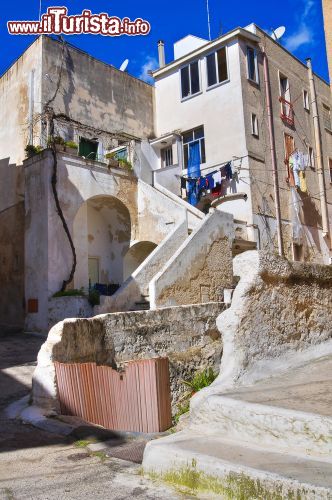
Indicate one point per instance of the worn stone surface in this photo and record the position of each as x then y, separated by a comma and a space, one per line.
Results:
200, 269
64, 307
281, 312
187, 335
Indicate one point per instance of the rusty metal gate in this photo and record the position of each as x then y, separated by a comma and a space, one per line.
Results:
137, 399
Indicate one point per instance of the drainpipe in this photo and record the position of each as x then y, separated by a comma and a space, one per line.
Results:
319, 153
161, 53
273, 151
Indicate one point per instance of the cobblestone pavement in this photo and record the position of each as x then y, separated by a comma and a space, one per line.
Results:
35, 464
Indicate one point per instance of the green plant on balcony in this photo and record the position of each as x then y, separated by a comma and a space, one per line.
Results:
31, 150
123, 163
71, 145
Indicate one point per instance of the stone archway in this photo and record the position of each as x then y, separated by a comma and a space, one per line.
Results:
136, 254
102, 235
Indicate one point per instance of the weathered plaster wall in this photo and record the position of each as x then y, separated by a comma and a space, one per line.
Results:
11, 246
47, 247
157, 214
138, 283
20, 94
95, 93
187, 335
279, 308
316, 249
201, 267
63, 307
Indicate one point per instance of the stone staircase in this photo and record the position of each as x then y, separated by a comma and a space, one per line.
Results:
143, 304
271, 440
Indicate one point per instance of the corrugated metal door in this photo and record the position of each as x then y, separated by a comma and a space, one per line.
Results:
137, 399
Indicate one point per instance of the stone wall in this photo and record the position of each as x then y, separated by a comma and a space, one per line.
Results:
67, 307
281, 312
201, 268
187, 335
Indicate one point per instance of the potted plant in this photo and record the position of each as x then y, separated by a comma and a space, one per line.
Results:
71, 147
112, 161
58, 142
125, 164
31, 150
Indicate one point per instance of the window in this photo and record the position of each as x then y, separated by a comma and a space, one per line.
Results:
298, 252
190, 84
254, 125
167, 156
306, 100
88, 148
287, 113
311, 157
252, 64
121, 154
327, 117
191, 137
216, 67
330, 168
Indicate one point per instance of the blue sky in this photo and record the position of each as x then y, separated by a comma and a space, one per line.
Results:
172, 20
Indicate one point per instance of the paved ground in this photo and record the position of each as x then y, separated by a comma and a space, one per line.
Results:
307, 388
35, 464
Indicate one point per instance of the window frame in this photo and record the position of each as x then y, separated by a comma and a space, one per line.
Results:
218, 83
249, 47
163, 156
330, 168
311, 157
327, 127
306, 103
254, 125
201, 141
189, 96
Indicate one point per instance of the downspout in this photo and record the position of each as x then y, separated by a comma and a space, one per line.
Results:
273, 151
319, 154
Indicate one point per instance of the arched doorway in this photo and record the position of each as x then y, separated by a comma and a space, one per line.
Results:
135, 256
102, 234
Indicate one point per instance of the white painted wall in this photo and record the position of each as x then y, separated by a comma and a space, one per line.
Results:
220, 110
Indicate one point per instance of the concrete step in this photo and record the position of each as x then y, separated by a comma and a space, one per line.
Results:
230, 469
283, 429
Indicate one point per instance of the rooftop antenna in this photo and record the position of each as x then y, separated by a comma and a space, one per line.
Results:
208, 18
278, 33
124, 65
40, 8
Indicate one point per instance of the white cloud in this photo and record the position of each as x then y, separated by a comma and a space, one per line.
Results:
150, 64
303, 34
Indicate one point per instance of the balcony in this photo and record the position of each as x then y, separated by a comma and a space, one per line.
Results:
287, 111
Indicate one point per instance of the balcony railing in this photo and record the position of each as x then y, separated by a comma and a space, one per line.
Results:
287, 111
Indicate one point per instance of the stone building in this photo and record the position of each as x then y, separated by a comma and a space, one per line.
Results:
225, 78
327, 12
101, 202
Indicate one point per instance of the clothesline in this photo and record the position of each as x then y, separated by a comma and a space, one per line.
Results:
220, 166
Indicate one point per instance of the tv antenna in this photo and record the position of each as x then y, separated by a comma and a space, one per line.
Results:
278, 33
124, 65
208, 18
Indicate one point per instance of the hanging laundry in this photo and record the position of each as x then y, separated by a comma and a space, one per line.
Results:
183, 187
217, 177
228, 171
303, 182
290, 172
193, 191
210, 181
216, 191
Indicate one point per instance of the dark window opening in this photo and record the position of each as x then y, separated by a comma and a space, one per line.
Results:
88, 148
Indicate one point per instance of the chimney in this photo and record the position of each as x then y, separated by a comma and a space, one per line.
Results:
161, 53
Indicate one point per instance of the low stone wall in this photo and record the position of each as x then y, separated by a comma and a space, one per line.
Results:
280, 317
67, 307
187, 335
200, 269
